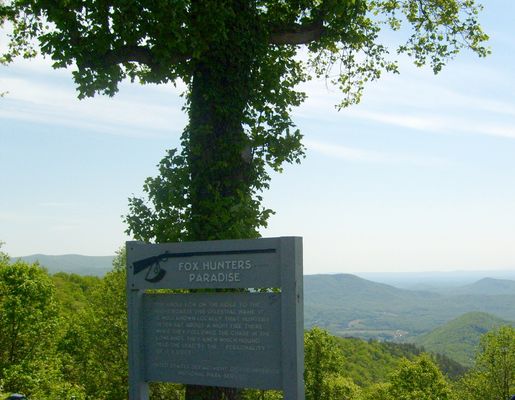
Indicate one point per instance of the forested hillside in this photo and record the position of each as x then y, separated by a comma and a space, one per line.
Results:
71, 342
373, 361
459, 338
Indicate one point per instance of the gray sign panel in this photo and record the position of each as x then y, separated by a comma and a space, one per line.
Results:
213, 264
220, 339
234, 339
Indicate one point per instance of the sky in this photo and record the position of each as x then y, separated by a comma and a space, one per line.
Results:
420, 176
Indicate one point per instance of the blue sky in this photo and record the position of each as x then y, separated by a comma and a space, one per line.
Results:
419, 176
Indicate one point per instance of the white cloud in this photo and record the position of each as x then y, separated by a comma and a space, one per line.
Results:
359, 155
473, 124
43, 102
425, 105
418, 122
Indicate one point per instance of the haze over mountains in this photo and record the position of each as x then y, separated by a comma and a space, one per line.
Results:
436, 280
72, 263
488, 286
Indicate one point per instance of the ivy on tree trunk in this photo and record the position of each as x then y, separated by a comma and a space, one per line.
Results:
218, 149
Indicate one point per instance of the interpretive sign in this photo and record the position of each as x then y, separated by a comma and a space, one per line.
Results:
247, 339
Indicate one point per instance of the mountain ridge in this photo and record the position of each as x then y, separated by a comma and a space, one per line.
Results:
491, 286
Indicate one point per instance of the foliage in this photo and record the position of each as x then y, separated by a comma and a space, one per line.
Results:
372, 361
29, 328
166, 391
73, 291
452, 369
162, 42
323, 362
95, 344
369, 362
418, 379
28, 312
338, 387
493, 376
497, 359
378, 391
254, 394
459, 338
41, 379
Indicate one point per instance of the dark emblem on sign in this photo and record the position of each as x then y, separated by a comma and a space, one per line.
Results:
155, 273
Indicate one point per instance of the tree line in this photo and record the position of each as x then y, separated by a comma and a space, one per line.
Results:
65, 336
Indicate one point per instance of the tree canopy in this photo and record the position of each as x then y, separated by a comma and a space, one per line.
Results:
419, 379
324, 362
161, 41
493, 376
28, 312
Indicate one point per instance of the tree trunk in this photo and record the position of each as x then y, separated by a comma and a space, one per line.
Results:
219, 159
219, 155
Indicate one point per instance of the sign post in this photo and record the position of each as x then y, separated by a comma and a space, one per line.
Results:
244, 339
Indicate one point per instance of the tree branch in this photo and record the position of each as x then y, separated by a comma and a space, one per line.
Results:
299, 34
132, 53
124, 54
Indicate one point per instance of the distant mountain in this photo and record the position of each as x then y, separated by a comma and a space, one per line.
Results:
489, 286
351, 306
459, 338
72, 263
435, 280
340, 289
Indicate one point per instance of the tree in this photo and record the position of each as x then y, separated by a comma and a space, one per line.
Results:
94, 347
28, 313
73, 291
493, 376
29, 323
418, 379
377, 391
338, 387
497, 360
323, 363
239, 59
96, 341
